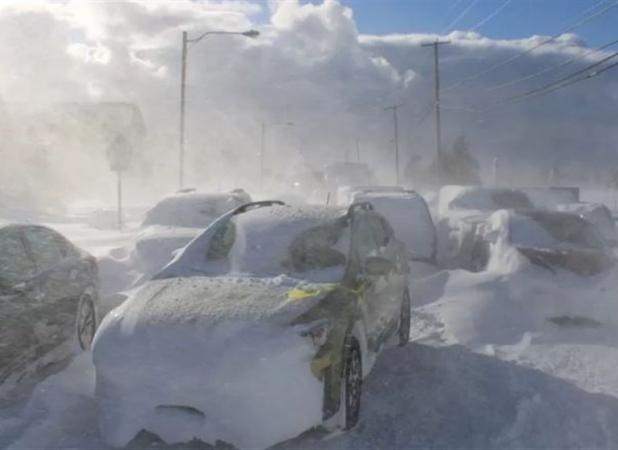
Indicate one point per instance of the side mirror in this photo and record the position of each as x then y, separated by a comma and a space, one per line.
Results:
378, 266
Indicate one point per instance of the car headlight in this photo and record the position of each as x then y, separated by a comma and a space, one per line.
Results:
318, 331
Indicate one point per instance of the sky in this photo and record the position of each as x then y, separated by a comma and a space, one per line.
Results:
518, 19
328, 68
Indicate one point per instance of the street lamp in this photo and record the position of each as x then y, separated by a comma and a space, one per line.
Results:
183, 75
263, 144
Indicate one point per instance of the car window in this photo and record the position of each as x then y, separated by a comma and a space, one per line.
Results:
15, 264
367, 237
551, 230
316, 248
222, 241
45, 248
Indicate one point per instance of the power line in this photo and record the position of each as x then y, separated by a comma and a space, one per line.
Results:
491, 16
568, 80
460, 16
509, 60
552, 68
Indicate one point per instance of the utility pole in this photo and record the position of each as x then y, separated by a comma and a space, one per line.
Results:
396, 137
436, 71
183, 90
358, 150
262, 145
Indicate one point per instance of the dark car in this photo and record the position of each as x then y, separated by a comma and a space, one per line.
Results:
48, 297
550, 239
266, 324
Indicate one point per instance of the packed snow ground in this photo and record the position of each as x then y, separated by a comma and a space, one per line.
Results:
486, 369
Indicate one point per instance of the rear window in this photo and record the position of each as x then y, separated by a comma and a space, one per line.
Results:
554, 230
484, 200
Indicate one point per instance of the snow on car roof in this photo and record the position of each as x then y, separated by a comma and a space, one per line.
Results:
191, 209
260, 238
480, 198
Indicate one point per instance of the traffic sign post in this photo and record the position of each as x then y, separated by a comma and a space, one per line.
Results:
119, 154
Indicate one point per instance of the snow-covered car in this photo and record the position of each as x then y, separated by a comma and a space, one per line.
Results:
345, 195
347, 174
550, 239
175, 220
48, 298
261, 328
409, 215
461, 209
597, 214
548, 197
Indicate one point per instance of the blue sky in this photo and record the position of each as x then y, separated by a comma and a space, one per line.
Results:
519, 18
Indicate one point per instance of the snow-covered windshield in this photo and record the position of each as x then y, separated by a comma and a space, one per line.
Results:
257, 245
491, 200
551, 230
191, 211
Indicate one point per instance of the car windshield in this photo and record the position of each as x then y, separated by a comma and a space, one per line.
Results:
547, 230
314, 250
190, 211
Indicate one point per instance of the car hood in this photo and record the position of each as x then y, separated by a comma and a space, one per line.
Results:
219, 347
204, 301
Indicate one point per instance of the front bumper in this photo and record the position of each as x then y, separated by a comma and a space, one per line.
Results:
252, 389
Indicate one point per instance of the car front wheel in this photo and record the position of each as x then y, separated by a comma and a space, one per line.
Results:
404, 319
86, 321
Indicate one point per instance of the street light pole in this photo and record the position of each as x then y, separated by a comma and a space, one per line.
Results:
183, 90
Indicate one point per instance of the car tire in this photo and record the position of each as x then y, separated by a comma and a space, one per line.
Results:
352, 384
405, 318
85, 321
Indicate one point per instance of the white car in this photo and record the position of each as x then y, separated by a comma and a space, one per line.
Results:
174, 221
260, 329
409, 215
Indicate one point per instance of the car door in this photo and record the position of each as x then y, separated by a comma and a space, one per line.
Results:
18, 344
57, 280
390, 249
373, 288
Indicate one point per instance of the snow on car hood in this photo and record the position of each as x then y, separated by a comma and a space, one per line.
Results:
219, 348
208, 300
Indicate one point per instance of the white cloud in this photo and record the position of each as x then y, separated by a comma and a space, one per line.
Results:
309, 66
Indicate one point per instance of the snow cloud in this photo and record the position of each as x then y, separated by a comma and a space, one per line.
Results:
310, 66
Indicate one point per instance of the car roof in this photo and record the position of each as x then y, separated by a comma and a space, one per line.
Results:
294, 213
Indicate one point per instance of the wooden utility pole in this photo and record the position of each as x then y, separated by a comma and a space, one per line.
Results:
396, 138
436, 71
